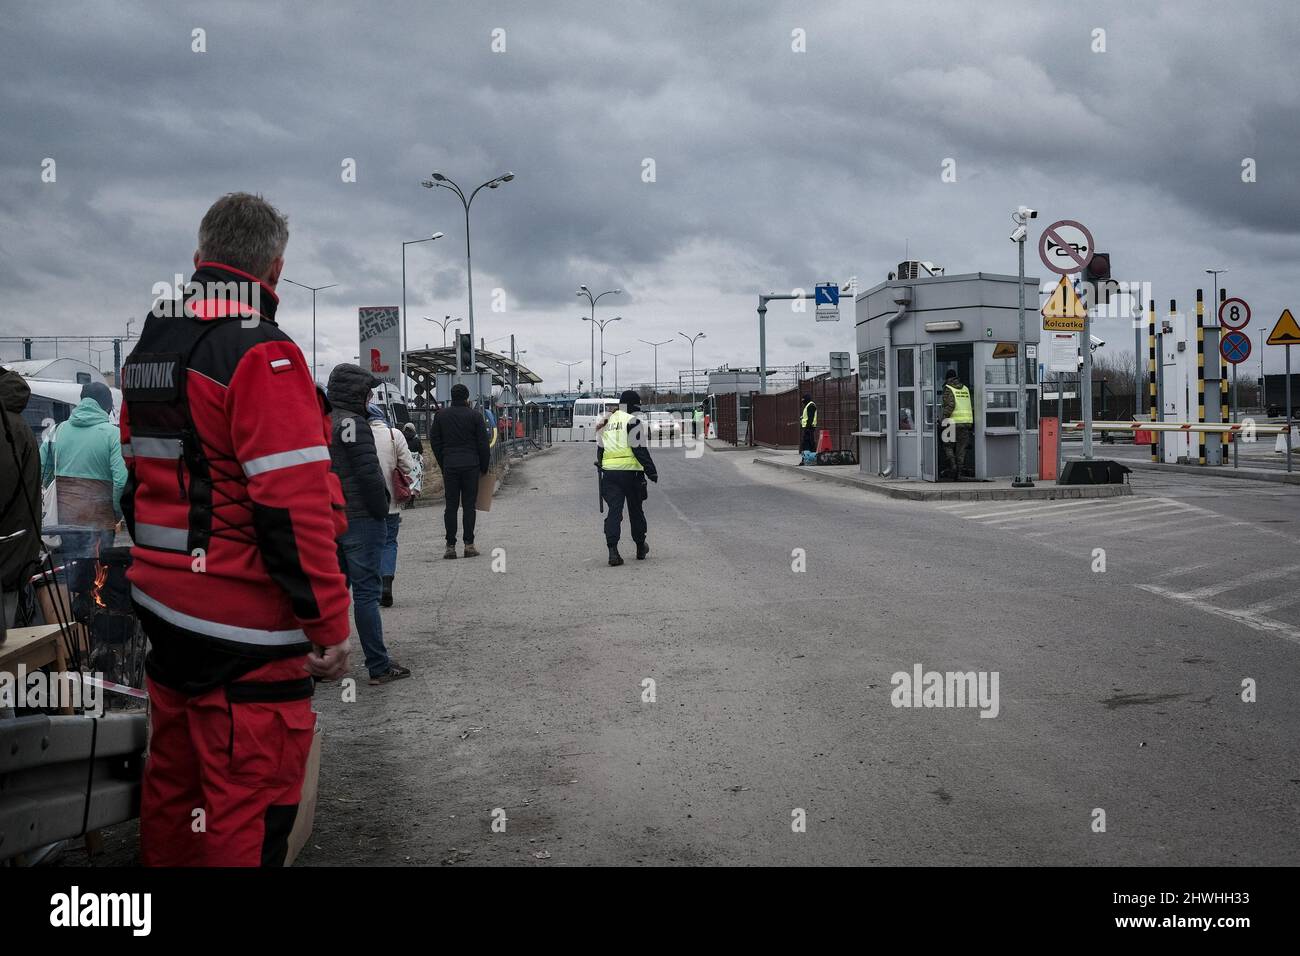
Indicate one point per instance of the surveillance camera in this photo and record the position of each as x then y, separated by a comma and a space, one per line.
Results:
1096, 342
1024, 212
1018, 235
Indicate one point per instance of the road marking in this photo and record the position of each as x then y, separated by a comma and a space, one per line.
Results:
1179, 571
678, 511
1115, 516
1244, 616
1274, 604
1023, 510
1241, 582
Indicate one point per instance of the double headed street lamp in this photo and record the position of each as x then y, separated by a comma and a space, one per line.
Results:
655, 346
692, 339
569, 367
602, 323
593, 299
402, 364
437, 179
1021, 217
615, 355
314, 289
442, 324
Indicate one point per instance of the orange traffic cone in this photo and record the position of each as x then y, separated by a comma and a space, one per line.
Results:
824, 441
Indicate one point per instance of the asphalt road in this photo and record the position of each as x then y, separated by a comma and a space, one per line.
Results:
1118, 690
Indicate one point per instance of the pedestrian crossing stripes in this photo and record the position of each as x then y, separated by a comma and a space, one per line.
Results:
1139, 526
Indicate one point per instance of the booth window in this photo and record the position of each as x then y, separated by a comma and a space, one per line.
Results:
906, 403
1000, 408
871, 368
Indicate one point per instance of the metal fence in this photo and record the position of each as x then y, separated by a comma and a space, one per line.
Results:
774, 417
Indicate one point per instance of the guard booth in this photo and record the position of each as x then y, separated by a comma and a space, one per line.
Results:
910, 332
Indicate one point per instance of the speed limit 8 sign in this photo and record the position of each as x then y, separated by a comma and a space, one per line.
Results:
1234, 314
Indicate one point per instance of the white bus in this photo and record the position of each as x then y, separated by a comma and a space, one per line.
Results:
587, 412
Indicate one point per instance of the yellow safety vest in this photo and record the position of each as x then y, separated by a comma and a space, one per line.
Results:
961, 411
617, 454
803, 418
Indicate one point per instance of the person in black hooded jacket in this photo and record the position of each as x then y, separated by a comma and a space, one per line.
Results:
20, 478
459, 441
365, 495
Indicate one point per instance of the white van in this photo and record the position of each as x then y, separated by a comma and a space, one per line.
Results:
54, 401
587, 412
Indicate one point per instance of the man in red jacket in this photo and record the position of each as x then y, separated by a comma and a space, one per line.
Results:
234, 513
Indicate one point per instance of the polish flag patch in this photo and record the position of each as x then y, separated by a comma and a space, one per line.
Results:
281, 365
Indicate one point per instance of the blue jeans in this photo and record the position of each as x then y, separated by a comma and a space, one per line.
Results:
360, 551
388, 560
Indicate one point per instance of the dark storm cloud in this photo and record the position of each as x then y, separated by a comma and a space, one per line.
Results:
774, 168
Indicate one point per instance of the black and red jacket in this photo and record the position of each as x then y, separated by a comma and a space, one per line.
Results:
230, 499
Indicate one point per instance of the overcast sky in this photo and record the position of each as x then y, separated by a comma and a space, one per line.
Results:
774, 168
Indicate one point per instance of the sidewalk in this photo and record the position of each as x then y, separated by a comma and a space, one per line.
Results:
913, 490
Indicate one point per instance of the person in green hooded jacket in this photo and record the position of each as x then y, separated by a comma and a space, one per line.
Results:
85, 455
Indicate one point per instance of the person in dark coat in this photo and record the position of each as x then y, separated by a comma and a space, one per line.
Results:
459, 442
365, 495
20, 493
412, 439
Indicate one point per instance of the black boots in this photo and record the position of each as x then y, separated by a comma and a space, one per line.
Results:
642, 549
615, 559
386, 599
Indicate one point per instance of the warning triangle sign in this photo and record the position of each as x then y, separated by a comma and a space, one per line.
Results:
1064, 311
1286, 332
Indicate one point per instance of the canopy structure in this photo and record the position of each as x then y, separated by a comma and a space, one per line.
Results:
422, 365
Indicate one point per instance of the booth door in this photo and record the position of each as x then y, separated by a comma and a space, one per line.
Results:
930, 402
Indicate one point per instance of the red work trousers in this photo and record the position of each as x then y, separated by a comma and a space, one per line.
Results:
237, 754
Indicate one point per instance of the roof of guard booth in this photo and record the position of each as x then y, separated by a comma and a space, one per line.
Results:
943, 293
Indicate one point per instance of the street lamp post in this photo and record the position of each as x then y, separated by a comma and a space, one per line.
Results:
437, 179
402, 364
593, 299
655, 345
602, 323
442, 324
692, 339
1021, 217
314, 290
616, 355
569, 369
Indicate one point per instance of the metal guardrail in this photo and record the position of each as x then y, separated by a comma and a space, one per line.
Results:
61, 777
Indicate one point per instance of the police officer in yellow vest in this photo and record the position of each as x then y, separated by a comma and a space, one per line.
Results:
625, 464
808, 426
958, 420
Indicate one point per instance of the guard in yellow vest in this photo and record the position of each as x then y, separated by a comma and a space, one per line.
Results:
955, 429
808, 427
625, 464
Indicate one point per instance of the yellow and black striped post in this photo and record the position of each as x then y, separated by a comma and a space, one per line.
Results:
1223, 385
1200, 372
1151, 374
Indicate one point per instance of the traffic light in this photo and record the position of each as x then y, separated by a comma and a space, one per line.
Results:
1098, 268
1097, 282
463, 349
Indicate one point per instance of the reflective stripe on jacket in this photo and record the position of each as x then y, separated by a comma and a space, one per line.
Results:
617, 454
961, 409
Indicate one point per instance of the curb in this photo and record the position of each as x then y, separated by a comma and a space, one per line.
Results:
1217, 471
956, 494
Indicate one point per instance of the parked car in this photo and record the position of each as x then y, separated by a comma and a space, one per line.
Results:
663, 425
